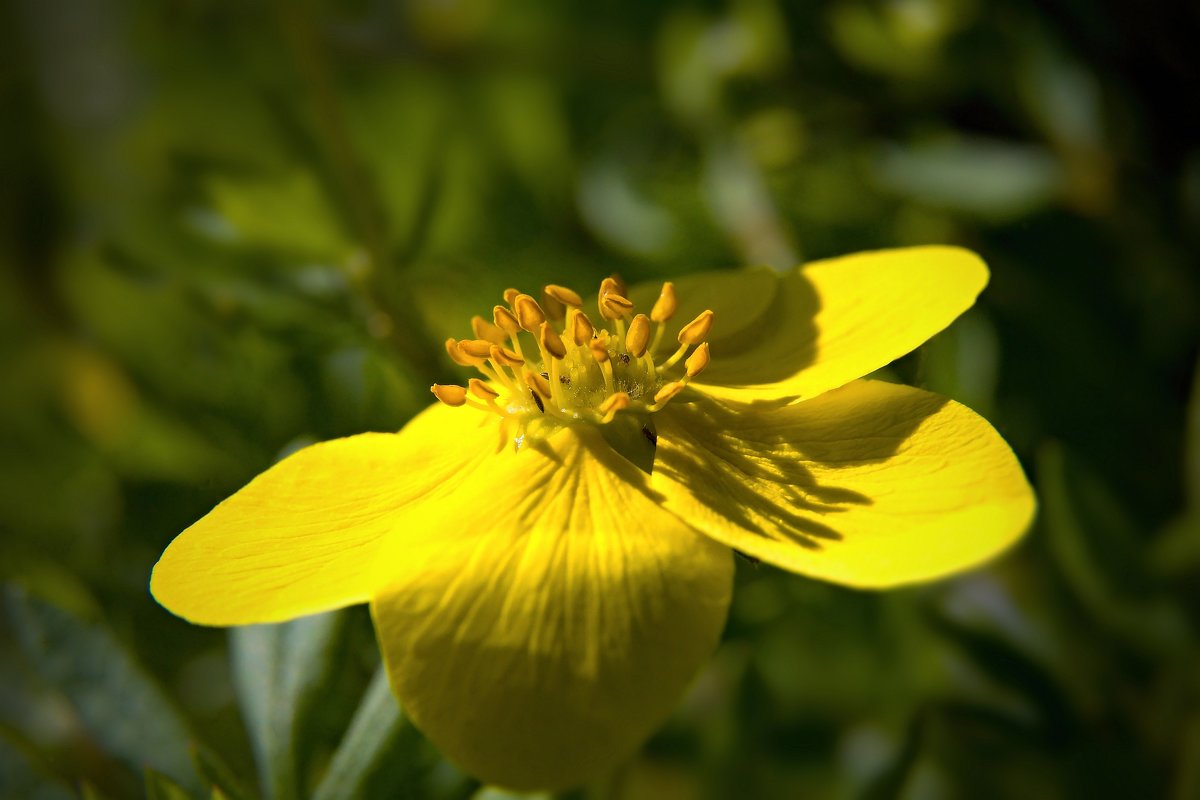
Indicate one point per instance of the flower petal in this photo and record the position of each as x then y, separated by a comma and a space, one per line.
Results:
543, 620
300, 538
869, 485
827, 322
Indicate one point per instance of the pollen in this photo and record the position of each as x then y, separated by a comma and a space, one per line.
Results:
549, 364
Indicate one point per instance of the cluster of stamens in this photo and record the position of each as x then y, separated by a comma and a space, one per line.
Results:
547, 361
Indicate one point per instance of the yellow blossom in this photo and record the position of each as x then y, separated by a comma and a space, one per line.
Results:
548, 551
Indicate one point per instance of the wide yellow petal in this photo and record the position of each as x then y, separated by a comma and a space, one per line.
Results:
826, 323
540, 622
869, 485
301, 537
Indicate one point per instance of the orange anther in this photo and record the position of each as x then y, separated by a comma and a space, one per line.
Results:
667, 392
505, 357
486, 330
581, 327
449, 394
563, 295
505, 320
665, 305
528, 312
697, 361
482, 390
551, 341
638, 336
698, 329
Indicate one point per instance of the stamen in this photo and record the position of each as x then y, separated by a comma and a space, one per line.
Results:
698, 329
551, 342
580, 372
450, 394
554, 308
486, 330
616, 306
638, 336
599, 348
502, 355
505, 321
581, 328
529, 314
458, 356
609, 285
617, 401
663, 395
563, 295
476, 348
618, 284
482, 390
697, 361
538, 384
665, 305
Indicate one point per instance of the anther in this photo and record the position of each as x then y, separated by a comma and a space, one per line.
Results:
697, 361
538, 384
615, 402
510, 295
599, 348
449, 394
563, 295
665, 305
616, 306
697, 330
638, 336
668, 391
618, 284
458, 356
529, 314
486, 330
551, 341
505, 320
581, 327
554, 308
478, 348
504, 356
482, 390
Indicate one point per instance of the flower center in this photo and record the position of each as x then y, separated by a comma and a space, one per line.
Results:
547, 363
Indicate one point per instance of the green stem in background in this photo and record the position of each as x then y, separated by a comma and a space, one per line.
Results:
380, 284
366, 744
743, 206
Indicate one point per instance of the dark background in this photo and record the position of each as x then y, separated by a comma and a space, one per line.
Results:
229, 229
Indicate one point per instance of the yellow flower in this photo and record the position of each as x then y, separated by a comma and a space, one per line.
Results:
548, 551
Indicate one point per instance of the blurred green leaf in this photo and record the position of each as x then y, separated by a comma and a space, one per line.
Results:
963, 362
286, 211
1083, 524
21, 776
216, 774
992, 179
160, 787
279, 672
891, 781
118, 704
1006, 664
493, 793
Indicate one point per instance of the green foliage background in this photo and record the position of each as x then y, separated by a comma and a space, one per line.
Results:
230, 229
